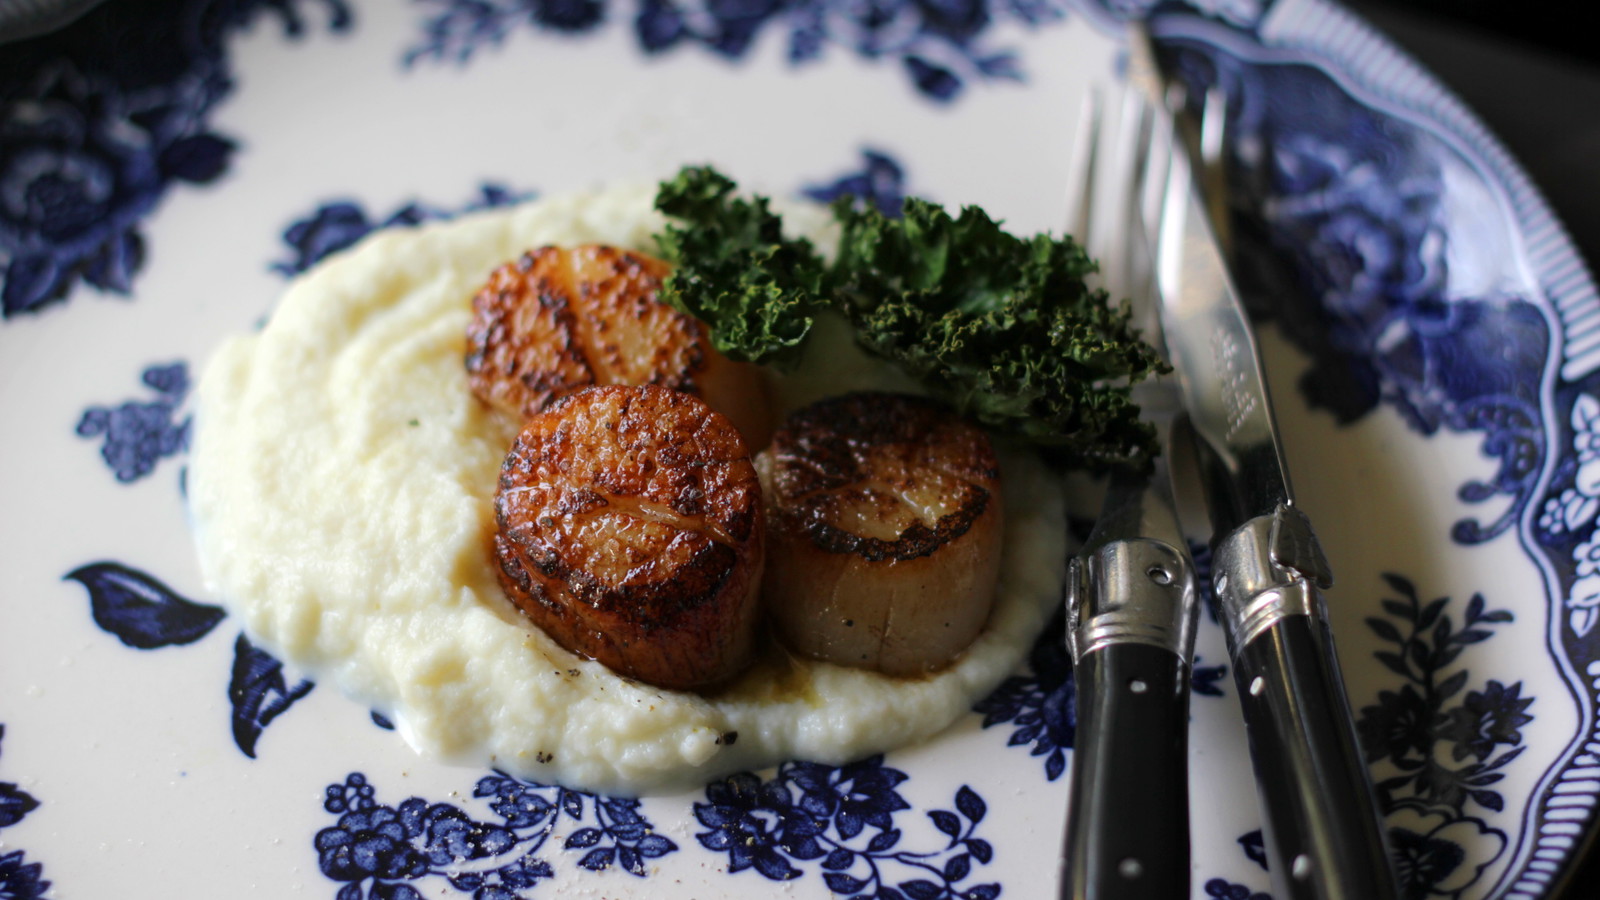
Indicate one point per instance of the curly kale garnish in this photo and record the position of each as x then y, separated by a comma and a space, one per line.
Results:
734, 270
1003, 328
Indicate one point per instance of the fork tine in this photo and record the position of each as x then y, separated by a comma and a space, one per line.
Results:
1131, 153
1081, 166
1132, 751
1213, 122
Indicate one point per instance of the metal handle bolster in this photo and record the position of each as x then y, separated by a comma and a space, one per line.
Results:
1133, 591
1269, 568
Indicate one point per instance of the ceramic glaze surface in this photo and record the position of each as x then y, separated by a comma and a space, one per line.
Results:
167, 165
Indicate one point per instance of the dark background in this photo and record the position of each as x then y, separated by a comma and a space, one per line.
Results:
1531, 71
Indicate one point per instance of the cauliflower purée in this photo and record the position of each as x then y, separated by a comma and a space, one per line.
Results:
342, 486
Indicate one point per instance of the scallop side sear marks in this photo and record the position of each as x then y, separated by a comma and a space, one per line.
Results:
631, 529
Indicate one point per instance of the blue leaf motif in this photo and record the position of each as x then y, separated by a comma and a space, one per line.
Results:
812, 812
583, 837
654, 845
198, 159
142, 612
14, 804
338, 224
1254, 845
980, 850
258, 693
881, 182
885, 840
19, 879
385, 850
840, 883
1041, 706
946, 822
970, 804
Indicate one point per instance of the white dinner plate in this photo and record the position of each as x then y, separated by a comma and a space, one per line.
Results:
164, 168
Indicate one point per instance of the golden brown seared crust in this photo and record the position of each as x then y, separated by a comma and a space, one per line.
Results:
884, 532
871, 451
630, 528
559, 319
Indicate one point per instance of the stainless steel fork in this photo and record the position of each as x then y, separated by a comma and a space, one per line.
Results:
1131, 601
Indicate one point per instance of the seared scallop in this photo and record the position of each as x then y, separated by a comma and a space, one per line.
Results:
630, 529
884, 531
559, 319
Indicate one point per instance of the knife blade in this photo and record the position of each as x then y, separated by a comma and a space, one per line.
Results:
1324, 836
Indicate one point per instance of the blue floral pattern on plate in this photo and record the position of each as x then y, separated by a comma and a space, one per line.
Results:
93, 135
19, 879
145, 614
92, 143
844, 816
939, 46
1408, 730
338, 224
139, 435
378, 851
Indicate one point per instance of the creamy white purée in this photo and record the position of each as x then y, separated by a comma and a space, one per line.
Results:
342, 485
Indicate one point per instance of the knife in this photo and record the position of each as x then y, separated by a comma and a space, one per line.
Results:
1130, 627
1324, 836
1131, 610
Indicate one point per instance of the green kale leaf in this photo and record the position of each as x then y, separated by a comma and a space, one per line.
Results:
734, 270
1005, 329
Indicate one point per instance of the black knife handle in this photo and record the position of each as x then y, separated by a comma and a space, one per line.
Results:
1324, 837
1130, 777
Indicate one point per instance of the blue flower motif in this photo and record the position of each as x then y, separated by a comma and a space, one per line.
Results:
843, 816
99, 121
1485, 718
938, 44
339, 224
1340, 219
72, 186
383, 850
1401, 724
1408, 730
370, 843
19, 879
881, 181
1422, 859
747, 820
1429, 851
138, 435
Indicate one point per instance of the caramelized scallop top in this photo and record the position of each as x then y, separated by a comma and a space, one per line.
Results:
630, 529
558, 319
881, 476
